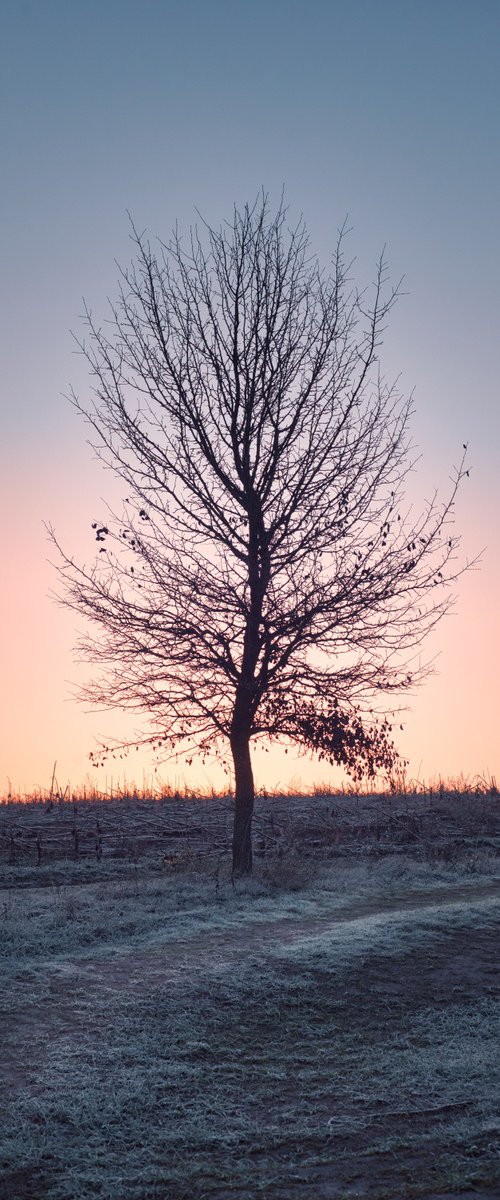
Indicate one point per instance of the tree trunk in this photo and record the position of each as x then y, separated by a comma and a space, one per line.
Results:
243, 805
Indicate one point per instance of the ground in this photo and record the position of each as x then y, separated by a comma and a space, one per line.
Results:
328, 1029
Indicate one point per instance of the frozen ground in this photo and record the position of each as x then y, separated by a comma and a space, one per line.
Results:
328, 1030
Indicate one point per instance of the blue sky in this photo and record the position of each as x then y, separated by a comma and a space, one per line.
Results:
383, 111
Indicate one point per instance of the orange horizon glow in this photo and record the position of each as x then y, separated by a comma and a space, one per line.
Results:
450, 730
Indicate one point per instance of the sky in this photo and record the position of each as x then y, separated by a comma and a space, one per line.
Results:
384, 113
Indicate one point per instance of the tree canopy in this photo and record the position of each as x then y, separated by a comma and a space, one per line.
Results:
267, 577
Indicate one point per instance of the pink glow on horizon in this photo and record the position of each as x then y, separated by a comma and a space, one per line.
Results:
451, 728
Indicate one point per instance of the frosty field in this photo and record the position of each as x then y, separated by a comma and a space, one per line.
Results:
328, 1029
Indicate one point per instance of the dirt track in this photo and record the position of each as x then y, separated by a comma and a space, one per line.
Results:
345, 1051
209, 953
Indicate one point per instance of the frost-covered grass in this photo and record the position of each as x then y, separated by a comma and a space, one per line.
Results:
140, 909
324, 1030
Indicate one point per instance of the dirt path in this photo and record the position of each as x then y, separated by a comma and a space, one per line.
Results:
210, 952
317, 1123
194, 956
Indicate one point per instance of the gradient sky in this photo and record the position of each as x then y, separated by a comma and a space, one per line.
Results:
386, 111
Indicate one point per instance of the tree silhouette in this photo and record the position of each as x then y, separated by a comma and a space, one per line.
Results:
266, 578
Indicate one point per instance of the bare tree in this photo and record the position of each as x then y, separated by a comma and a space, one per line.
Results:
267, 578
